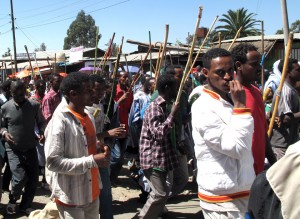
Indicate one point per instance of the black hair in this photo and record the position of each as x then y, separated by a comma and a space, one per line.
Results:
239, 52
74, 82
163, 81
17, 85
5, 86
170, 70
52, 76
97, 78
39, 82
214, 53
290, 64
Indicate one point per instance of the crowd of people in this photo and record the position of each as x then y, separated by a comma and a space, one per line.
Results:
76, 130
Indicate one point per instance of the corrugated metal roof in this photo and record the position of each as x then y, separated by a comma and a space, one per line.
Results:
258, 38
141, 56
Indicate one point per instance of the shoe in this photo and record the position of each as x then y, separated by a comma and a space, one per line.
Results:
1, 216
26, 211
11, 208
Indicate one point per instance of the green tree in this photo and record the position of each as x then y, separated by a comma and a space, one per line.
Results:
7, 53
295, 27
82, 32
233, 20
43, 47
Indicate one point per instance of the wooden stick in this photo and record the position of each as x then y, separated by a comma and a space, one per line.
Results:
150, 53
5, 74
32, 71
106, 54
164, 47
55, 63
236, 36
271, 48
284, 72
202, 45
49, 65
96, 48
220, 39
262, 81
138, 74
114, 77
188, 64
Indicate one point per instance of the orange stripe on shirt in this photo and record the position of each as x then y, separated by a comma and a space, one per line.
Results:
90, 134
241, 110
223, 198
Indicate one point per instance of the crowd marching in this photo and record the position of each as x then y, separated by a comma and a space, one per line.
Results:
75, 132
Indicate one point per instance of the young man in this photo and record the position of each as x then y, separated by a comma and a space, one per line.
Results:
222, 133
52, 98
71, 154
18, 119
97, 110
40, 87
247, 65
286, 131
158, 157
124, 99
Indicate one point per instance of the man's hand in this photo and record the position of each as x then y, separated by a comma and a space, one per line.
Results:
41, 139
175, 108
102, 160
123, 97
116, 132
9, 138
238, 94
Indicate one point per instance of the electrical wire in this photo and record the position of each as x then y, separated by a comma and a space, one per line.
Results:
5, 24
2, 33
61, 7
33, 43
90, 12
63, 15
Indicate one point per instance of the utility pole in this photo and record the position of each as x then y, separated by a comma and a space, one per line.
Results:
14, 35
285, 21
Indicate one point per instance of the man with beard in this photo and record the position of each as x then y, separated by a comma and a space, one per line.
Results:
222, 133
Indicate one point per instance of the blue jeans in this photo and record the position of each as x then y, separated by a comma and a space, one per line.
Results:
25, 173
117, 158
105, 195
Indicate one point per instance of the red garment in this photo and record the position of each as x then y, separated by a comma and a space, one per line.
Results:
254, 101
50, 101
124, 107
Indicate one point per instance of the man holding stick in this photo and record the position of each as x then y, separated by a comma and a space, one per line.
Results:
285, 131
222, 132
158, 156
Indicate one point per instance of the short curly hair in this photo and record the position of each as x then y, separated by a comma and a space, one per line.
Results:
73, 81
214, 53
163, 81
239, 52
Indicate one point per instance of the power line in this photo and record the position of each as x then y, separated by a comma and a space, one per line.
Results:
53, 22
61, 7
33, 43
5, 24
68, 13
2, 33
34, 9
